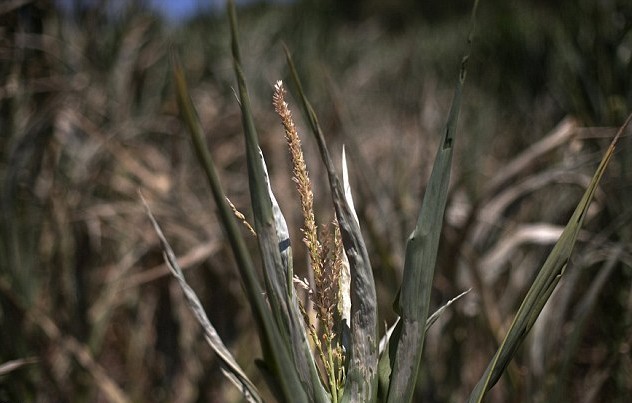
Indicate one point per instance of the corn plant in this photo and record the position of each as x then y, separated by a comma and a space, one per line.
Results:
339, 356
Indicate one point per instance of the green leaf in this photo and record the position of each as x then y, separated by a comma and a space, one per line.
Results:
361, 383
421, 255
393, 333
260, 200
299, 378
274, 346
544, 284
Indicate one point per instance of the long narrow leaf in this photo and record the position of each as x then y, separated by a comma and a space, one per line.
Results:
276, 353
260, 200
361, 384
231, 369
298, 377
421, 256
545, 282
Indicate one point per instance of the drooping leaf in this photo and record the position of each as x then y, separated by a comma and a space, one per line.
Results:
545, 282
231, 369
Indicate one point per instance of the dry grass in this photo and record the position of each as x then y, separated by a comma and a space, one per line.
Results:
88, 117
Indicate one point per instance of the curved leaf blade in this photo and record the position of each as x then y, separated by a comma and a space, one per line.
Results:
231, 369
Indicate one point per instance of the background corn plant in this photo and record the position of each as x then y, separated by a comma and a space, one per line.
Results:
90, 117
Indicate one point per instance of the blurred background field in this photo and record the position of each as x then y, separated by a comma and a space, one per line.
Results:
88, 117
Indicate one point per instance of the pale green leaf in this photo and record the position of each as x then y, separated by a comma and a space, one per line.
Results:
545, 282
